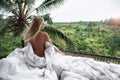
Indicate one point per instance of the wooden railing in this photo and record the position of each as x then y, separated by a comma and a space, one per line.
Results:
94, 56
102, 58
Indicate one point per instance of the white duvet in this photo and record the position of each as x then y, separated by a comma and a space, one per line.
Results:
23, 64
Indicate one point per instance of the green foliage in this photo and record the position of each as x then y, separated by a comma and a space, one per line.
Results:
92, 24
60, 39
101, 40
113, 44
8, 44
92, 37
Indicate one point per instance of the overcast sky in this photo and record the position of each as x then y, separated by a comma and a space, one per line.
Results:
86, 10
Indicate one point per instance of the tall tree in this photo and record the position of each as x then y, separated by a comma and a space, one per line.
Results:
22, 11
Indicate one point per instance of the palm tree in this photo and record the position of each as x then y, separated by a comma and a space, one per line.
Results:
22, 11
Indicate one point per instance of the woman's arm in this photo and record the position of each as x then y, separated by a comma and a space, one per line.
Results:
56, 49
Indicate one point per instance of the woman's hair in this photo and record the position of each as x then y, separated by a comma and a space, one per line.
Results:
36, 26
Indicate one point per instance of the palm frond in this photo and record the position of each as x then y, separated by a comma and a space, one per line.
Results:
58, 34
47, 18
7, 4
29, 4
49, 4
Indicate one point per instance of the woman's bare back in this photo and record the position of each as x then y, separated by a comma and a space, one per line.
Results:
38, 44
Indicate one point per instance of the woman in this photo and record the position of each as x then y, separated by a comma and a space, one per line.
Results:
37, 38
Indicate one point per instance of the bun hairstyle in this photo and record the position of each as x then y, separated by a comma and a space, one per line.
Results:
36, 26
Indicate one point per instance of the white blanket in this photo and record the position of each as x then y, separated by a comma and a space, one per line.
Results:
24, 64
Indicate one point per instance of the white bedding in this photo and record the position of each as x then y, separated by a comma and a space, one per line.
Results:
23, 64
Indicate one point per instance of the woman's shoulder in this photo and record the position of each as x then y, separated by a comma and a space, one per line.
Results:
44, 33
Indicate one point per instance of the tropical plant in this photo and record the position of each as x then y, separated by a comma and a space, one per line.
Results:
57, 41
22, 12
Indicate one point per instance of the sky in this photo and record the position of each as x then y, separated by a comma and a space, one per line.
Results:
86, 10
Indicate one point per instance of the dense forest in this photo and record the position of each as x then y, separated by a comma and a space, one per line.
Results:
93, 37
